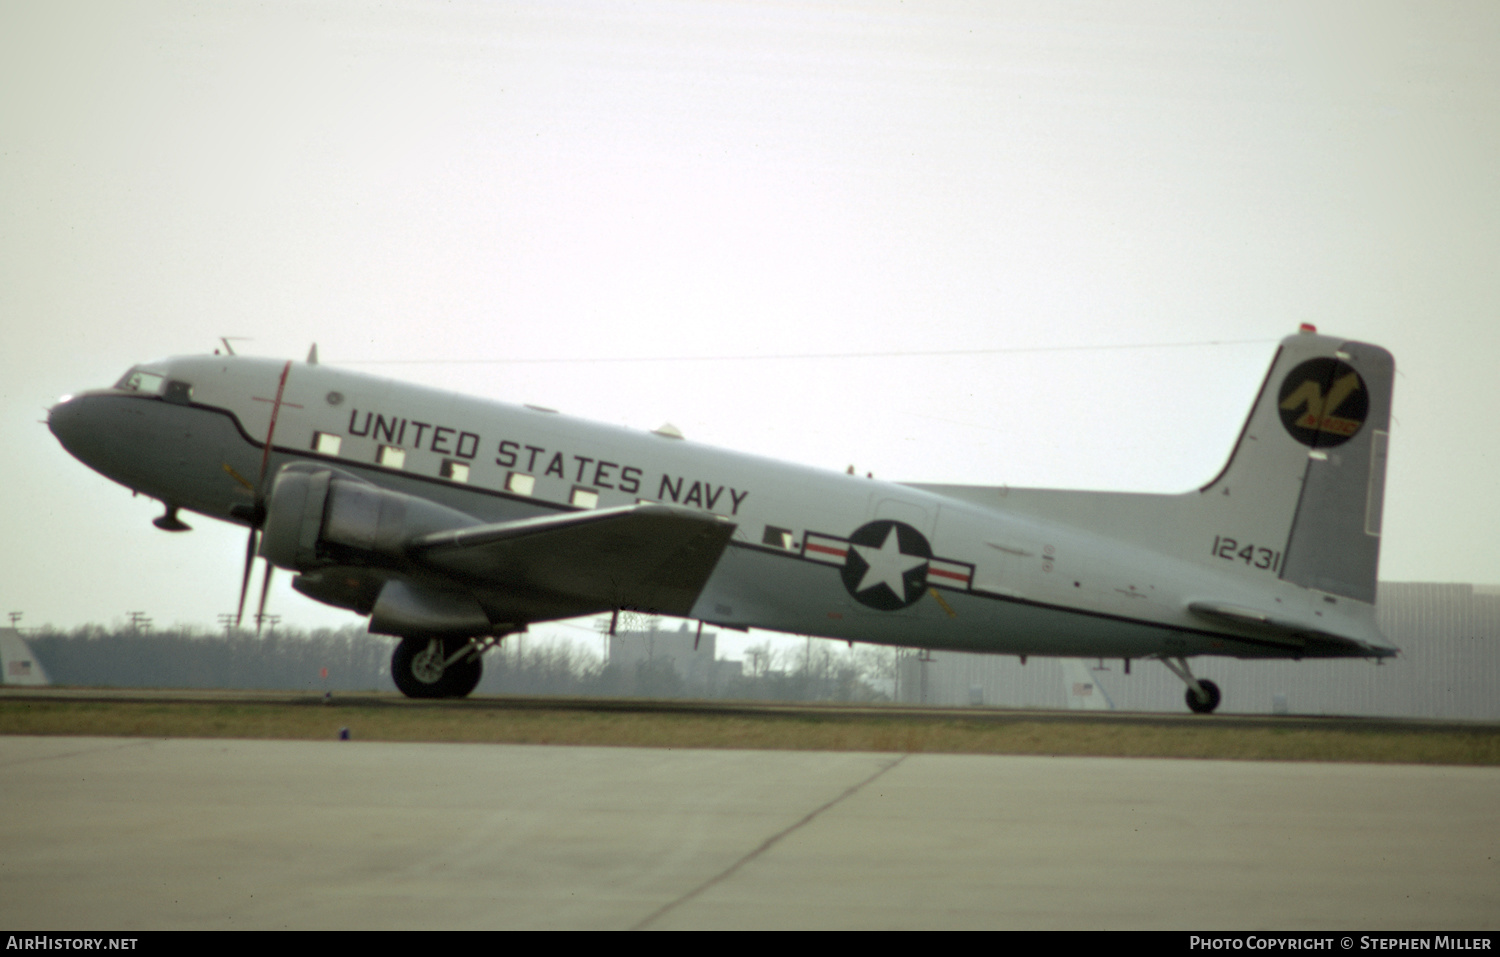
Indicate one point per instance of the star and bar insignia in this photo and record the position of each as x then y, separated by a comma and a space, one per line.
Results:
886, 564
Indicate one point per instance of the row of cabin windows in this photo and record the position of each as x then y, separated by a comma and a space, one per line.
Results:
394, 457
389, 456
517, 483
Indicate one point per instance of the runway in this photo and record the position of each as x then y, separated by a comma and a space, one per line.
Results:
123, 834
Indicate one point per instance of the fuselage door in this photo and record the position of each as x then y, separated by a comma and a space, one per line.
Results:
909, 513
1005, 561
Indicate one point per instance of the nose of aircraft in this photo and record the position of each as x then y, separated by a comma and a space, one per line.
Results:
65, 420
153, 447
82, 424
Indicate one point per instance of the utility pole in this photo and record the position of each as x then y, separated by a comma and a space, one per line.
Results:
923, 657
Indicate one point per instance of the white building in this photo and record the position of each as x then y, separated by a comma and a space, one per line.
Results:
1449, 667
685, 652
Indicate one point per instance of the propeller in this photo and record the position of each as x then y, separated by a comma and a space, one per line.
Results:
257, 514
265, 588
252, 543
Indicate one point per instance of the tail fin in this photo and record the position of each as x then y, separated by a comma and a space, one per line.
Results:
1300, 497
18, 664
1309, 467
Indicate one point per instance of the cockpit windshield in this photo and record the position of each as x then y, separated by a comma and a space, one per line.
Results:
139, 380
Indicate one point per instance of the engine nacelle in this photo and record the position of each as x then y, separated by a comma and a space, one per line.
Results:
318, 516
408, 609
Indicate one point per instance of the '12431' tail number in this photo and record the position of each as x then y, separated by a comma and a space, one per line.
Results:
1253, 555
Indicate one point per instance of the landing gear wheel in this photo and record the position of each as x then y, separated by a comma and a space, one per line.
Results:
417, 667
465, 676
414, 669
1204, 706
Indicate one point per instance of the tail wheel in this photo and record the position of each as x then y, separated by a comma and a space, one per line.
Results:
1211, 698
1202, 694
420, 668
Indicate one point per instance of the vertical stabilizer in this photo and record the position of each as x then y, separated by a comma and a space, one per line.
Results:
1309, 468
18, 666
1082, 687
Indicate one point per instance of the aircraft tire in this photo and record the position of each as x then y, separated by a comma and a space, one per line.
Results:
411, 669
1204, 707
465, 677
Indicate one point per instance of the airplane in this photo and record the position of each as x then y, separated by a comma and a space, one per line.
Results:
18, 664
451, 522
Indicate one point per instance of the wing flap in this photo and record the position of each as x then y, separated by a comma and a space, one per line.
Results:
651, 557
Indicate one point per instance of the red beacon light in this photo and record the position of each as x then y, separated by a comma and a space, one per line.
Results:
1307, 327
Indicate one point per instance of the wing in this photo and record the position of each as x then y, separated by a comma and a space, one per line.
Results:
418, 567
650, 557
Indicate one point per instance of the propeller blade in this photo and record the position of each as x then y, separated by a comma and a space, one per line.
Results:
257, 517
245, 580
265, 588
265, 455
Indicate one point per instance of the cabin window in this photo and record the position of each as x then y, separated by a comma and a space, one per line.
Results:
455, 471
584, 497
326, 443
391, 457
519, 483
780, 537
179, 392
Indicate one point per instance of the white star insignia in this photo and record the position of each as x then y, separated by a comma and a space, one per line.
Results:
888, 565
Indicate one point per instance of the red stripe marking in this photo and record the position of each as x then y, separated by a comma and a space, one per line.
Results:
956, 576
839, 552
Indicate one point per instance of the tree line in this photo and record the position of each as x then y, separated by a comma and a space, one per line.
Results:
351, 659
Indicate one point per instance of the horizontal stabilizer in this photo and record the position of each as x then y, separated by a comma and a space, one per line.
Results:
647, 557
1281, 630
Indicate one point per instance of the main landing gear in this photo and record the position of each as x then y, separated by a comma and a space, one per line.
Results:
438, 667
1202, 695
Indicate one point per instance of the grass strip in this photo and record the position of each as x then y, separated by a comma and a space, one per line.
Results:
770, 731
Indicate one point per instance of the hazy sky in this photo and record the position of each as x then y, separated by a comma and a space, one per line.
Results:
590, 183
